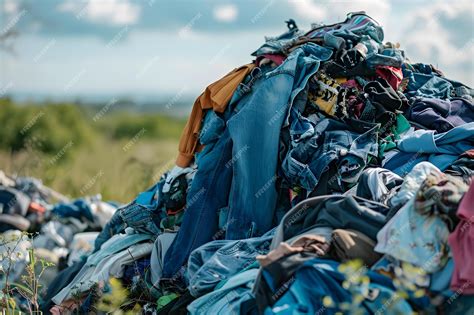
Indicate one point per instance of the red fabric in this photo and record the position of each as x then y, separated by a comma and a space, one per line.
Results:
461, 242
173, 212
393, 75
36, 207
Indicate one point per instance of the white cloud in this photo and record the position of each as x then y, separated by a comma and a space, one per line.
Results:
10, 7
427, 39
331, 11
226, 13
116, 12
310, 10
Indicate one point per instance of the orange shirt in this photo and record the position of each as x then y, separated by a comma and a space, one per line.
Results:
215, 97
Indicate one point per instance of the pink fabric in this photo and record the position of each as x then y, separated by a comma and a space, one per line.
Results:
461, 242
277, 59
393, 75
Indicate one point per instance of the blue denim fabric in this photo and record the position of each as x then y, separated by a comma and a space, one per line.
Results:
461, 90
139, 268
356, 23
229, 298
114, 226
143, 215
76, 209
319, 278
441, 280
455, 141
330, 141
279, 44
255, 132
388, 57
235, 181
208, 193
212, 128
222, 259
425, 83
333, 41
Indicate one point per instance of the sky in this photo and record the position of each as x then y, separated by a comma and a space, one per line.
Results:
174, 49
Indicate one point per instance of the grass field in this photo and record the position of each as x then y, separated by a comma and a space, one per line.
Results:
117, 156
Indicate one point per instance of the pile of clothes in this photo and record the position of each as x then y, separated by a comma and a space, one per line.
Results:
61, 231
329, 175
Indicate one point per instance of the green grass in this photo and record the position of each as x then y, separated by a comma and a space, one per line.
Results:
118, 155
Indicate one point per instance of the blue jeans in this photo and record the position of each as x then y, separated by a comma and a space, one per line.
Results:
229, 298
330, 141
143, 214
76, 209
235, 181
257, 128
219, 260
208, 193
278, 44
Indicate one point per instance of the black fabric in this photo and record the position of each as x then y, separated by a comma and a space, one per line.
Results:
368, 189
175, 199
463, 166
337, 70
383, 96
14, 201
339, 212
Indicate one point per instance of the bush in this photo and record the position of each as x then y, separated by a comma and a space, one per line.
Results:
48, 128
125, 125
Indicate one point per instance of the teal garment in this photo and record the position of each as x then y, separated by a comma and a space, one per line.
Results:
459, 304
388, 143
227, 299
318, 281
254, 265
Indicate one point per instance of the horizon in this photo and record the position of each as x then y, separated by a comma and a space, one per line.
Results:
69, 50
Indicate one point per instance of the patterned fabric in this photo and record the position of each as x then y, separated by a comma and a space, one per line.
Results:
416, 233
439, 195
325, 93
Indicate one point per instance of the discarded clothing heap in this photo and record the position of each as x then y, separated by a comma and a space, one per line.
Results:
329, 175
60, 232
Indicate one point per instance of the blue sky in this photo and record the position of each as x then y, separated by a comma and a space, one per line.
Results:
75, 48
